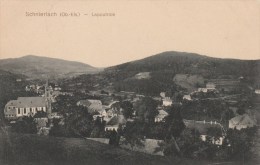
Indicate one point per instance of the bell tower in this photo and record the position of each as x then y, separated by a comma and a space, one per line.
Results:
47, 96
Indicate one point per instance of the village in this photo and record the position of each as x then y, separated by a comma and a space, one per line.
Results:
106, 117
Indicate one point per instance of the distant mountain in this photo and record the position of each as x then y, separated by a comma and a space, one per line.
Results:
191, 63
40, 67
165, 66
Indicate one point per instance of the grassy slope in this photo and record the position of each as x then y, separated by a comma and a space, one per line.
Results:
32, 149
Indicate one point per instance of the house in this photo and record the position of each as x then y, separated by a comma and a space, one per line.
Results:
257, 91
162, 114
115, 122
101, 114
112, 113
186, 97
211, 86
241, 121
205, 90
167, 101
163, 94
202, 128
92, 105
25, 106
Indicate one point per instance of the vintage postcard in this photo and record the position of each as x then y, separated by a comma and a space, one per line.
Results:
129, 82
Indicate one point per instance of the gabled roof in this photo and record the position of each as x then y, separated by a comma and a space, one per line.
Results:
242, 120
84, 103
162, 114
201, 127
12, 103
116, 120
28, 102
92, 105
113, 102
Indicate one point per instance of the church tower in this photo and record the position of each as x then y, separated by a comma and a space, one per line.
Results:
47, 96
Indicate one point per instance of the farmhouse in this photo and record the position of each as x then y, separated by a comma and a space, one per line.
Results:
115, 122
92, 105
241, 121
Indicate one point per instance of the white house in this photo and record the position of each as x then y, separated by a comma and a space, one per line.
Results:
186, 97
167, 101
257, 91
205, 90
162, 114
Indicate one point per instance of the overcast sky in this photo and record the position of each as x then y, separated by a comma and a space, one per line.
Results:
226, 29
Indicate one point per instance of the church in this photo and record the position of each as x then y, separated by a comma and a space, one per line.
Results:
28, 106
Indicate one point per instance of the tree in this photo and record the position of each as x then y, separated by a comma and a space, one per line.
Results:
241, 143
174, 121
241, 111
79, 123
127, 107
25, 125
189, 142
134, 133
146, 109
99, 128
57, 129
113, 138
175, 126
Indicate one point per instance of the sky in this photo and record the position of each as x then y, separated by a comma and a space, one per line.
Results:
216, 28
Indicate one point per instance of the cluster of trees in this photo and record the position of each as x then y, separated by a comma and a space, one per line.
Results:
206, 109
25, 125
78, 123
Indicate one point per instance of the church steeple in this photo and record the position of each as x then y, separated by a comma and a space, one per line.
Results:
47, 96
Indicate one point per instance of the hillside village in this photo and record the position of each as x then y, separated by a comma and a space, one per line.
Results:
165, 112
108, 113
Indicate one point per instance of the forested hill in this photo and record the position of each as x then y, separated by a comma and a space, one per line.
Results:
158, 72
190, 63
40, 67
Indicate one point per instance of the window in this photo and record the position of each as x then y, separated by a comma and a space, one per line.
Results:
9, 107
19, 111
24, 111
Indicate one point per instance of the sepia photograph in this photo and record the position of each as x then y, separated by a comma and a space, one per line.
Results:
150, 82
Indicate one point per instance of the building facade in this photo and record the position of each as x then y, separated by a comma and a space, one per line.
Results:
25, 106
